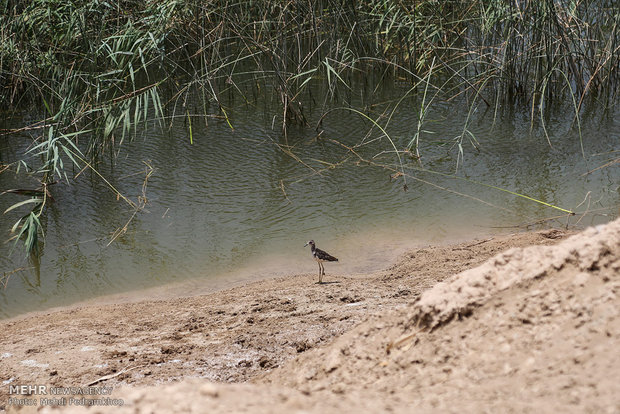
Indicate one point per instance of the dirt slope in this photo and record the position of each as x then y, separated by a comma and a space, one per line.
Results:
534, 330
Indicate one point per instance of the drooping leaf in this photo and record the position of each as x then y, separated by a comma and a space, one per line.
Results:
24, 202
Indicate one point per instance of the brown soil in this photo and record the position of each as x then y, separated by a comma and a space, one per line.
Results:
532, 329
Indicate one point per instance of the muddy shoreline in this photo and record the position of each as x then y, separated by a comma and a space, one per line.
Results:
251, 333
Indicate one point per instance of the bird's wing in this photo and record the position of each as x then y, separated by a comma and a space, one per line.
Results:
325, 256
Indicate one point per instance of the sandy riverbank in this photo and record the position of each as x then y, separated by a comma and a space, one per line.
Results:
543, 342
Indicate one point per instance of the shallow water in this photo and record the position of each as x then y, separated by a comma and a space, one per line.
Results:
236, 205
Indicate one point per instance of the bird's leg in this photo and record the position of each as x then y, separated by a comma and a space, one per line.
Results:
319, 263
322, 272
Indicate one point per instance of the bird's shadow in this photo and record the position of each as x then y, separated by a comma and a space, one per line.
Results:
328, 283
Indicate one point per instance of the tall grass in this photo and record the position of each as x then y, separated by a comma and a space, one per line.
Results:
102, 69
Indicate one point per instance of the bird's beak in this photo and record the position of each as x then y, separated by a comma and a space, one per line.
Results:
306, 244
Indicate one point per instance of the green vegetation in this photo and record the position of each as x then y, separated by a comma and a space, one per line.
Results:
98, 70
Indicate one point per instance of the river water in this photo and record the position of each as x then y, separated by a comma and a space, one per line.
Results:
239, 204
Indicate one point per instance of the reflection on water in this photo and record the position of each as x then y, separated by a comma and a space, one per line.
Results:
236, 205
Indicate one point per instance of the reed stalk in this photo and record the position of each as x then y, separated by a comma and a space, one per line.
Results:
104, 70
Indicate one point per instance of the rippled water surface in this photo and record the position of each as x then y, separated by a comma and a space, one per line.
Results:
240, 204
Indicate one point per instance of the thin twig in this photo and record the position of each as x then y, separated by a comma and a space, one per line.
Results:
284, 191
107, 377
400, 341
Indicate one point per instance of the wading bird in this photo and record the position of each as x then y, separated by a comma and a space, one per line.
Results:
320, 256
